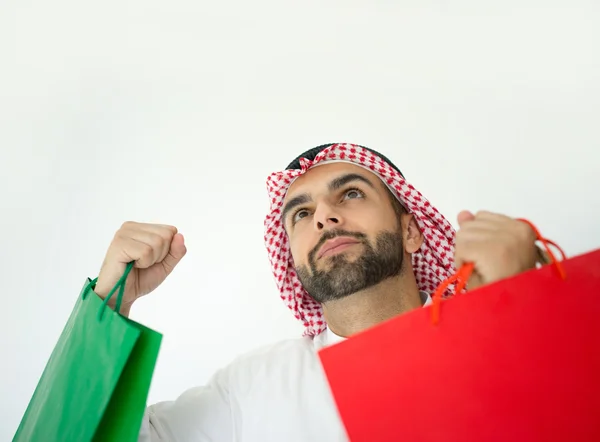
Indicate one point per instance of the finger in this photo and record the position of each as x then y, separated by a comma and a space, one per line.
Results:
157, 244
474, 281
129, 249
466, 251
482, 232
164, 230
470, 243
491, 216
464, 217
176, 252
156, 235
159, 228
458, 261
490, 226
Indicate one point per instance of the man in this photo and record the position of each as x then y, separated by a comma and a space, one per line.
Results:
351, 244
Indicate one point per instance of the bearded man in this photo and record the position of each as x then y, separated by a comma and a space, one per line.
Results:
351, 244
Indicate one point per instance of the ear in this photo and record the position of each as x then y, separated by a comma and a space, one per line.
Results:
412, 235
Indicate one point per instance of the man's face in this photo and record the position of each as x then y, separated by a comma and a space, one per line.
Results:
344, 233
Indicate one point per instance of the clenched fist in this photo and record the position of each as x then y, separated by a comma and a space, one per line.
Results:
498, 246
156, 250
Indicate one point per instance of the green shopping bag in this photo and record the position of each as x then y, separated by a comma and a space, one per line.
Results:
95, 384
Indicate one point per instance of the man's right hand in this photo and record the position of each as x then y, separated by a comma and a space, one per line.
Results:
156, 250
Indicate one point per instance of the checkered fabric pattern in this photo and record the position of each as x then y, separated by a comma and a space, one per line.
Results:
432, 263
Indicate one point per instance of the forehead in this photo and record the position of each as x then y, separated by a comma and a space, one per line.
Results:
318, 178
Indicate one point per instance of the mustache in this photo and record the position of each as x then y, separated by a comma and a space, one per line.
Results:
330, 234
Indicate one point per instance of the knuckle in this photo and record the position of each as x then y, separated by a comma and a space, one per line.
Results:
465, 248
147, 251
157, 241
459, 244
119, 235
128, 225
526, 232
504, 252
167, 233
509, 243
506, 256
484, 214
463, 238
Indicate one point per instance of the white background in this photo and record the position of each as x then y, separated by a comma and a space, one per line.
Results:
175, 112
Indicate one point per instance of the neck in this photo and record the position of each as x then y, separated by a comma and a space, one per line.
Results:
369, 307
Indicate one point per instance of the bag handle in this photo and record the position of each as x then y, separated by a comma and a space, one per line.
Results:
120, 285
464, 273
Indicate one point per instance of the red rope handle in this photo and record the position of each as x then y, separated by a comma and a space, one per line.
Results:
464, 273
460, 277
546, 242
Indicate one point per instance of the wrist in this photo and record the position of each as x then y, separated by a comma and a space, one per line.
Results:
112, 302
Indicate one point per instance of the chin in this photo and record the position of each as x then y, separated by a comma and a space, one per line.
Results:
345, 257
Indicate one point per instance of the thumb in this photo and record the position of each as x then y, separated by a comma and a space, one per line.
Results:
464, 216
177, 251
475, 279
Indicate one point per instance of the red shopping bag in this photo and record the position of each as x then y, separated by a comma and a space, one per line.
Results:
516, 360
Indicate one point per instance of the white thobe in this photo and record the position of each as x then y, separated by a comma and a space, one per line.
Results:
278, 393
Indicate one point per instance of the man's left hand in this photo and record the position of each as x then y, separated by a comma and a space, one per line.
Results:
497, 245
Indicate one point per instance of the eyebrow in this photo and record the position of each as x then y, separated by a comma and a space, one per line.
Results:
348, 178
295, 202
334, 185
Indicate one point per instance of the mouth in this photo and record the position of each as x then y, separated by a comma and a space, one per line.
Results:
335, 246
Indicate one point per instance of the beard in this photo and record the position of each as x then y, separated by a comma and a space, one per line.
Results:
344, 277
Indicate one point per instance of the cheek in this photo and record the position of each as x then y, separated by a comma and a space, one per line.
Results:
299, 248
378, 219
298, 254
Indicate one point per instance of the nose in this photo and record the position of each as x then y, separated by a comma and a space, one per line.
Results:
326, 218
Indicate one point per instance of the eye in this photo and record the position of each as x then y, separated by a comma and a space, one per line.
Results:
299, 214
353, 194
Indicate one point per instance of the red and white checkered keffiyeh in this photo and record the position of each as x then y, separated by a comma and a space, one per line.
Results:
432, 263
